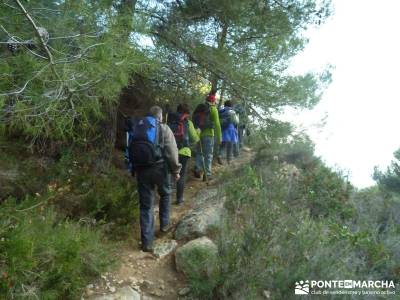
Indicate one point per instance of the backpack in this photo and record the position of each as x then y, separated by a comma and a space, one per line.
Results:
201, 117
241, 113
227, 116
180, 127
144, 147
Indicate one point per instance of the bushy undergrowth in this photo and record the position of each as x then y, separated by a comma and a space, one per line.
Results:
81, 192
45, 256
74, 186
54, 212
300, 221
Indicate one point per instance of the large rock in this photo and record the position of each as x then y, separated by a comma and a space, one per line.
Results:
163, 249
124, 293
200, 222
8, 182
198, 257
8, 174
206, 195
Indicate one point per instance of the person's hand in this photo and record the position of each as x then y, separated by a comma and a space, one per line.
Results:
177, 176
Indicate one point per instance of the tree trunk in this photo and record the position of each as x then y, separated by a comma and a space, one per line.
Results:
214, 79
108, 127
108, 135
222, 95
127, 6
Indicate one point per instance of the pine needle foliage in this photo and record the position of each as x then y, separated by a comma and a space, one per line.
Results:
58, 85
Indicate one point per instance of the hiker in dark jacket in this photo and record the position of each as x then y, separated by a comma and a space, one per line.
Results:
178, 122
242, 126
156, 175
229, 121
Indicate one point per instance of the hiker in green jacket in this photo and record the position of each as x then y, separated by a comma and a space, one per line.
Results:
185, 134
206, 118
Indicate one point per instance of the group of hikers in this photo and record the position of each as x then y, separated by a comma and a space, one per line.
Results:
158, 150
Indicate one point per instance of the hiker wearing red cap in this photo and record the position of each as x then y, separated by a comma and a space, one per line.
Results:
205, 118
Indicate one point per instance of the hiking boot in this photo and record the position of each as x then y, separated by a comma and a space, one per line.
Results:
209, 177
179, 202
166, 228
148, 248
219, 160
197, 174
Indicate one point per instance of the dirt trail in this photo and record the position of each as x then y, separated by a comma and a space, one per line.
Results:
157, 278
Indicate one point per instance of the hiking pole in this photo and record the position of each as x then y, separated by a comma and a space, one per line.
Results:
203, 161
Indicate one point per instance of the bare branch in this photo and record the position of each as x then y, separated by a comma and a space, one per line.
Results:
36, 54
26, 83
73, 36
9, 5
47, 9
77, 57
17, 43
49, 55
5, 30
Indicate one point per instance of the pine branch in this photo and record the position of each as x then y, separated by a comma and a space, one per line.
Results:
42, 42
17, 92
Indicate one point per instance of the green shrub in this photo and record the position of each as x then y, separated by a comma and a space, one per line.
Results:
43, 256
324, 192
106, 197
78, 190
390, 179
282, 229
202, 269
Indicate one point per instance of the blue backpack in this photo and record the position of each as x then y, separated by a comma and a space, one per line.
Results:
143, 143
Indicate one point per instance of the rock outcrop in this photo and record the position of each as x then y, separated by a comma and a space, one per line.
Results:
198, 257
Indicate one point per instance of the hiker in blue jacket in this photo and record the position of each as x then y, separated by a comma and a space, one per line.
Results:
229, 121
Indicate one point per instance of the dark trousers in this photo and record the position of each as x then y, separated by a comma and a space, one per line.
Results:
241, 135
148, 180
180, 185
230, 148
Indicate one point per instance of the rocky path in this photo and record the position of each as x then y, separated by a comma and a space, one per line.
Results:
146, 276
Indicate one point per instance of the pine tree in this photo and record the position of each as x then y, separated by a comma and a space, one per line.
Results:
67, 64
390, 179
242, 47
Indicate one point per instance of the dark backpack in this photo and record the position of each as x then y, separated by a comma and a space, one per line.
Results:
201, 117
179, 125
224, 118
227, 116
144, 147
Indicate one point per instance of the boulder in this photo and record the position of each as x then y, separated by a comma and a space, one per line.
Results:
124, 293
8, 182
163, 249
184, 291
198, 257
205, 195
200, 222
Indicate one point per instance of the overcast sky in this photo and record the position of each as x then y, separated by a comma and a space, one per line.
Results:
362, 41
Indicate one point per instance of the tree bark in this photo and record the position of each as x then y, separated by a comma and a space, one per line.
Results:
108, 127
123, 7
221, 98
221, 44
108, 135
